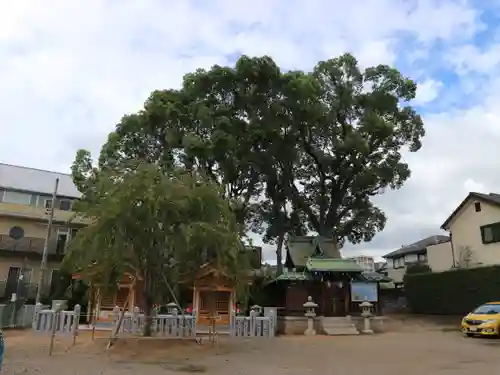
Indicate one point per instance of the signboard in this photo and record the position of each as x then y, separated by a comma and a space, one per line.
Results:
364, 292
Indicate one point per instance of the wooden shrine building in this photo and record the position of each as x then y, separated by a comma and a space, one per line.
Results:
314, 267
214, 296
103, 300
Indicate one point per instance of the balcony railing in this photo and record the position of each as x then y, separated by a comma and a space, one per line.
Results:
38, 213
31, 245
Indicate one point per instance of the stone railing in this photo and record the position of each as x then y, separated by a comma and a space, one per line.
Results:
56, 321
253, 325
173, 324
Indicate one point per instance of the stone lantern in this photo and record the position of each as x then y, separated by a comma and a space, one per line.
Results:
366, 313
310, 314
256, 309
172, 308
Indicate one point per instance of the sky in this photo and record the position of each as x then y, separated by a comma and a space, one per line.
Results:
69, 70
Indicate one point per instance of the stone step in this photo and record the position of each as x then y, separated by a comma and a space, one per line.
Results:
336, 322
337, 319
339, 326
341, 331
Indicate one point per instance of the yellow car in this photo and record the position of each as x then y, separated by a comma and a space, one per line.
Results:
483, 321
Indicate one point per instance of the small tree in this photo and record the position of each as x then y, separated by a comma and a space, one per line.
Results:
158, 225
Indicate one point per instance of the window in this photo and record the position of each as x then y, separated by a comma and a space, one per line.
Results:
422, 257
477, 206
48, 203
62, 240
16, 197
16, 233
12, 280
490, 233
489, 308
410, 258
65, 205
399, 262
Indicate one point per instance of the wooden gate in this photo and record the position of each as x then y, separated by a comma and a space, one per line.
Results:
214, 303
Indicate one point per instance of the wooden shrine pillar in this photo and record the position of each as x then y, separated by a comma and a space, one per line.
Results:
232, 305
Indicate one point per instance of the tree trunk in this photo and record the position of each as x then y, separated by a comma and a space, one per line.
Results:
279, 253
148, 305
148, 321
332, 248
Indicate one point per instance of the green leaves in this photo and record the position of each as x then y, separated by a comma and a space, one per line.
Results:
153, 222
289, 151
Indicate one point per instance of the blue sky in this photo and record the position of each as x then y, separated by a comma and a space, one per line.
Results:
70, 69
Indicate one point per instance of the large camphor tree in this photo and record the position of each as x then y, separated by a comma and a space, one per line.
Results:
159, 224
294, 152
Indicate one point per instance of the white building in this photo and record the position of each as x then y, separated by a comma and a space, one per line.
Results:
367, 263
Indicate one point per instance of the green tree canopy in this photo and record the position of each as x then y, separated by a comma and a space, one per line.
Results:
293, 150
156, 224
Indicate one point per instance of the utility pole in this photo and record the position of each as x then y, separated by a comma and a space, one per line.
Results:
43, 265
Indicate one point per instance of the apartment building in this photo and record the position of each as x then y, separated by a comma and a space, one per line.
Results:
367, 263
25, 204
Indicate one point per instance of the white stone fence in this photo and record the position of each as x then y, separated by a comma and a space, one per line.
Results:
54, 321
253, 325
174, 324
13, 317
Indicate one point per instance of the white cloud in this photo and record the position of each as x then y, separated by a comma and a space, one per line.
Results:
427, 91
471, 185
70, 69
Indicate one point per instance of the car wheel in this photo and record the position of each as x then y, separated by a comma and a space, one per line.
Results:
469, 334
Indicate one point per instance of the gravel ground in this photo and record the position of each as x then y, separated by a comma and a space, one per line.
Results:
413, 348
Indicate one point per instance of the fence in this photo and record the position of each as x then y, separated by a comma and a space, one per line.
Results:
15, 315
176, 325
173, 324
54, 321
253, 325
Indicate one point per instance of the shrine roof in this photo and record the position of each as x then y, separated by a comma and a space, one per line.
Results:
294, 275
301, 248
332, 265
375, 276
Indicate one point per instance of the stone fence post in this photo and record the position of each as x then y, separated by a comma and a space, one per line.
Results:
76, 322
36, 316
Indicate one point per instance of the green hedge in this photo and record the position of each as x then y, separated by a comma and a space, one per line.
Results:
452, 292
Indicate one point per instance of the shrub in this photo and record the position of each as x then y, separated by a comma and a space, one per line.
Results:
452, 292
417, 268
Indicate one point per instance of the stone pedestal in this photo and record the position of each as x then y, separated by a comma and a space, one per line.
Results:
310, 314
366, 326
310, 331
366, 313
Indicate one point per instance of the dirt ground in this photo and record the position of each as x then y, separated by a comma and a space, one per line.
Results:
410, 346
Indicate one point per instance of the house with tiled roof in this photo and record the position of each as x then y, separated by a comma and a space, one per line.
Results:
474, 228
25, 204
415, 253
473, 240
